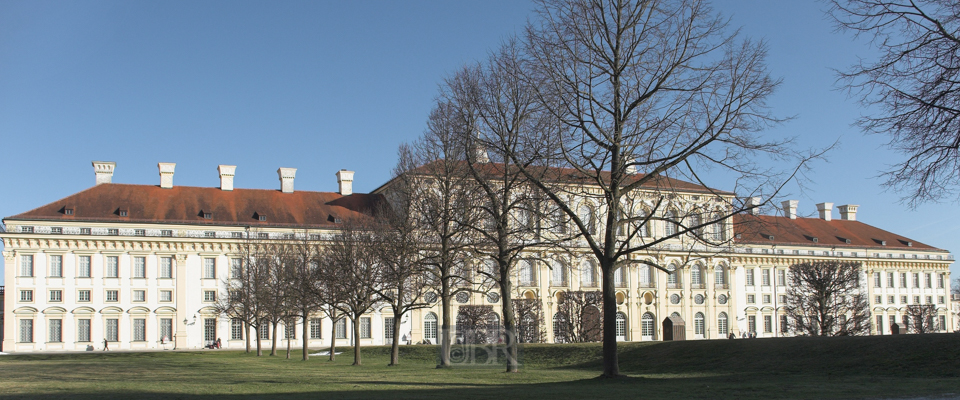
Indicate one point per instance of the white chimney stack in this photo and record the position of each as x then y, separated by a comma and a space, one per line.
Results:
286, 179
848, 212
104, 171
345, 180
166, 174
790, 208
226, 176
753, 204
826, 211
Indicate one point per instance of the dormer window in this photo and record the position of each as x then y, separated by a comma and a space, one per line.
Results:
66, 210
880, 242
259, 217
206, 214
843, 239
122, 212
906, 242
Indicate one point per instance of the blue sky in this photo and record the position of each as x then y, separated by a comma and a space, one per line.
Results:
321, 86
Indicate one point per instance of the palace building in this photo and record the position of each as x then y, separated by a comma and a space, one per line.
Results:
142, 267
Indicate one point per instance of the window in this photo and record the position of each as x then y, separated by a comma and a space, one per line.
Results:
341, 328
83, 296
558, 275
26, 331
879, 300
940, 281
56, 230
940, 300
236, 329
56, 266
139, 267
209, 234
85, 231
718, 231
766, 299
316, 328
210, 329
166, 267
784, 324
113, 267
620, 277
670, 225
916, 299
719, 276
113, 296
139, 296
263, 235
139, 330
722, 327
83, 330
765, 276
26, 229
749, 277
112, 330
751, 299
696, 276
139, 232
209, 296
388, 328
588, 274
68, 211
26, 265
430, 326
528, 275
903, 279
26, 295
891, 299
56, 296
916, 279
364, 327
767, 323
782, 277
166, 233
56, 330
290, 330
166, 329
876, 280
673, 277
929, 299
928, 282
264, 330
235, 266
903, 300
84, 270
207, 215
943, 323
236, 235
783, 299
890, 280
698, 327
209, 268
751, 323
166, 295
586, 217
114, 231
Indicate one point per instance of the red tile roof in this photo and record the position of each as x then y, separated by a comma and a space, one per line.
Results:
187, 204
757, 229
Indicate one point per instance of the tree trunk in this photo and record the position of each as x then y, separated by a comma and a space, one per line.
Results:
509, 323
445, 326
611, 365
333, 339
259, 345
395, 351
273, 342
306, 347
356, 341
288, 340
246, 334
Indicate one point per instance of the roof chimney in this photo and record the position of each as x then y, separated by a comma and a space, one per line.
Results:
286, 179
826, 211
345, 180
790, 208
166, 174
104, 171
226, 176
848, 212
753, 205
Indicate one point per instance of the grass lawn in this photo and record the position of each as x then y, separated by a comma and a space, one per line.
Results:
808, 368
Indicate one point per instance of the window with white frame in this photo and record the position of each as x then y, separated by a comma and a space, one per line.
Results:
139, 296
235, 265
673, 276
751, 299
26, 295
782, 277
209, 268
209, 296
166, 295
718, 230
56, 296
83, 296
139, 267
891, 299
722, 327
209, 330
528, 275
341, 328
139, 330
264, 330
748, 274
166, 267
620, 276
670, 225
767, 324
236, 329
84, 267
588, 274
558, 273
83, 330
55, 330
430, 326
698, 324
113, 296
586, 217
784, 324
365, 327
166, 328
903, 279
112, 331
26, 330
766, 299
290, 330
26, 265
696, 276
927, 280
112, 267
916, 279
765, 276
876, 280
719, 276
388, 328
890, 280
56, 266
316, 328
940, 281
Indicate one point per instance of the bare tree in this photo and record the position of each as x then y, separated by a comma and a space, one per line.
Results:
278, 284
826, 299
921, 318
474, 325
530, 320
912, 92
304, 299
239, 302
580, 319
658, 87
348, 261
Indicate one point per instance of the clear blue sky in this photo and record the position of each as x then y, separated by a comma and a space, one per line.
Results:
321, 86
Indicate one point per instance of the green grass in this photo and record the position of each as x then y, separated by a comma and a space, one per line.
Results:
851, 367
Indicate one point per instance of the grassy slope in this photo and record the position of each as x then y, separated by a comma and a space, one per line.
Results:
867, 367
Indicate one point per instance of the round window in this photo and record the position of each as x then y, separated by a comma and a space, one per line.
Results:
675, 298
430, 297
722, 299
698, 299
493, 297
463, 297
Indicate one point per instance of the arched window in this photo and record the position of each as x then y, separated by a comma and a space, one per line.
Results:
722, 324
646, 275
493, 328
676, 314
646, 326
586, 216
694, 221
644, 227
588, 273
720, 276
698, 327
559, 221
673, 276
528, 275
696, 276
560, 328
670, 225
621, 326
620, 276
558, 274
719, 233
430, 326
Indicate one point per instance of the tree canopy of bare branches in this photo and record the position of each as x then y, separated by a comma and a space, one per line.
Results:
912, 92
921, 318
826, 299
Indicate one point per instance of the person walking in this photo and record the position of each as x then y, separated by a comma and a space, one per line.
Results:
106, 345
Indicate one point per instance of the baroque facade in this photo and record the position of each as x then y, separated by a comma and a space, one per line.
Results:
142, 266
